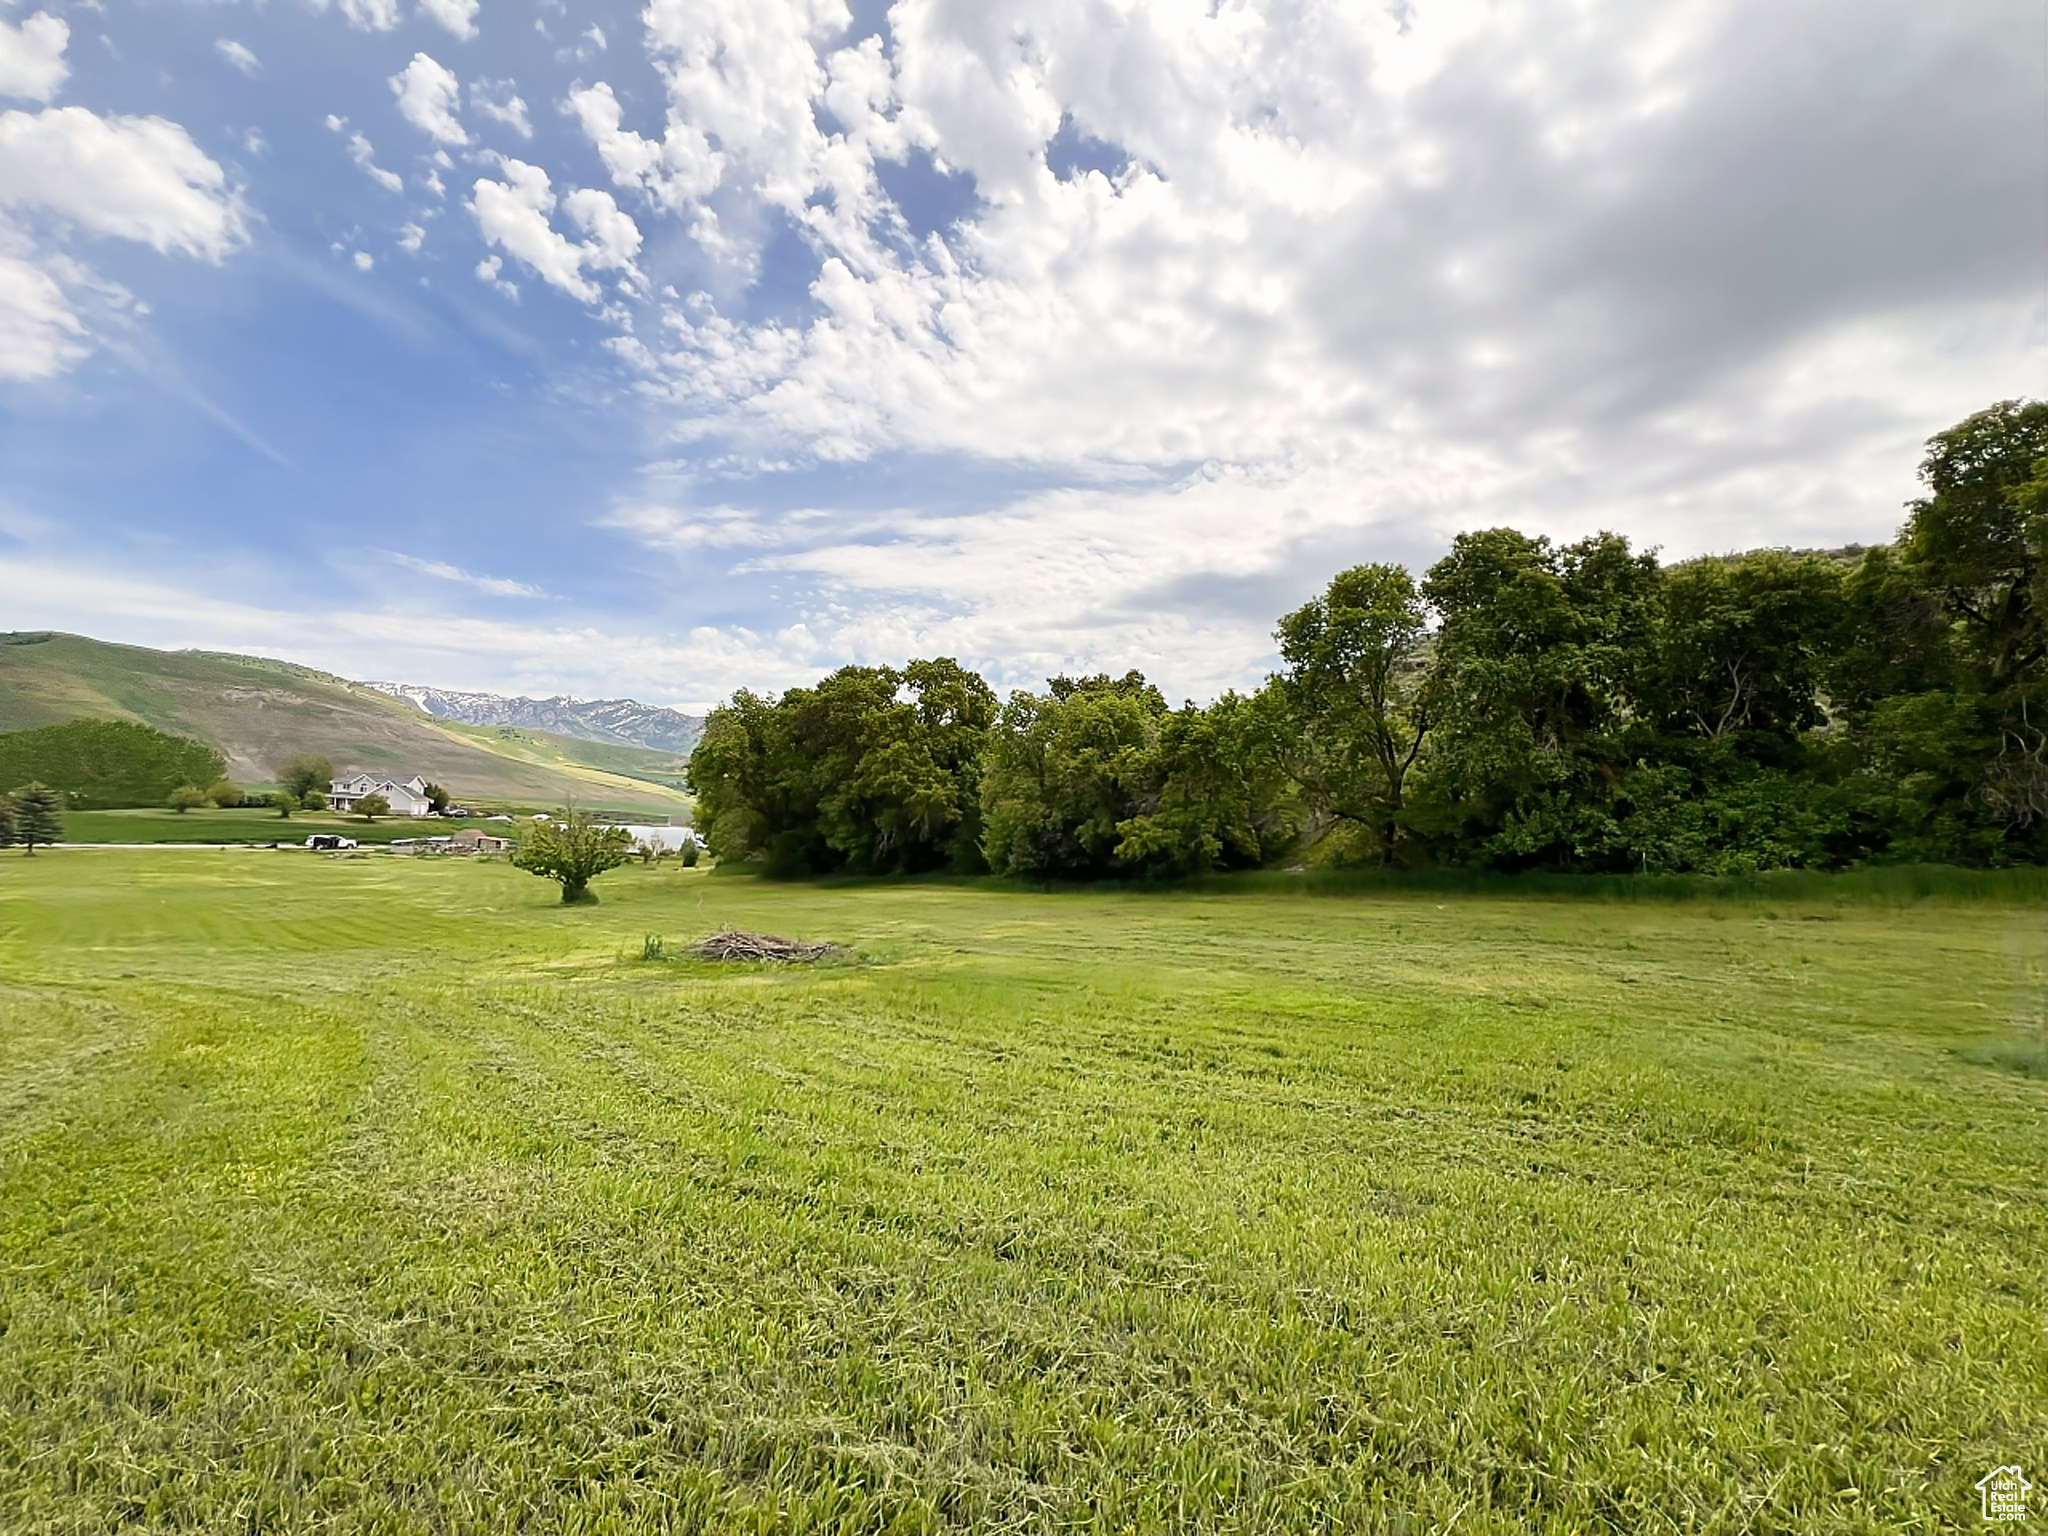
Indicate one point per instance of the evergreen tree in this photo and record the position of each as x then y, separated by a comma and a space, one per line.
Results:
37, 815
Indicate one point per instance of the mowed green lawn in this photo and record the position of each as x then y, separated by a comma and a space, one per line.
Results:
381, 1194
246, 824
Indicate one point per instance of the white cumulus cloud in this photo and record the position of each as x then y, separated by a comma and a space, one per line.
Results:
371, 15
1376, 272
514, 214
428, 96
67, 169
32, 57
140, 178
497, 100
458, 16
672, 171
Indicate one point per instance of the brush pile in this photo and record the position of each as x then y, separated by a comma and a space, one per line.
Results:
730, 944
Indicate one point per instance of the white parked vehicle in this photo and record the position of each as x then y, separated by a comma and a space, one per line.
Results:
329, 840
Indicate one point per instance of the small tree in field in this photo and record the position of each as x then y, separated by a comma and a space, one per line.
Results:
36, 816
573, 850
184, 797
224, 793
370, 807
286, 802
437, 799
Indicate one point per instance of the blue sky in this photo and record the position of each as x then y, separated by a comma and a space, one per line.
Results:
671, 349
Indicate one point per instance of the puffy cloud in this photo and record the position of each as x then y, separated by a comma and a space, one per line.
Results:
1704, 273
673, 171
614, 237
140, 178
32, 57
136, 178
497, 100
458, 16
371, 15
237, 55
360, 151
487, 271
513, 215
1319, 225
427, 98
410, 238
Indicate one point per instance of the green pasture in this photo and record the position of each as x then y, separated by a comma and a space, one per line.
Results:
248, 824
381, 1194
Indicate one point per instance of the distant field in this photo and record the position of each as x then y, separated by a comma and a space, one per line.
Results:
542, 747
376, 1194
250, 825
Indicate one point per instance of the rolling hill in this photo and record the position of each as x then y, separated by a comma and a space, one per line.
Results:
258, 711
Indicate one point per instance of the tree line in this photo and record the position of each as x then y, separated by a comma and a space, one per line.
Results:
1526, 705
96, 764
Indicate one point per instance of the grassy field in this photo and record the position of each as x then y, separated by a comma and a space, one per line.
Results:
246, 825
376, 1194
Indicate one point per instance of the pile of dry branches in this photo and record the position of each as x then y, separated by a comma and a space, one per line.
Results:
730, 944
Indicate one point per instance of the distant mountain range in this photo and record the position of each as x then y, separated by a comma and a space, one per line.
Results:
618, 722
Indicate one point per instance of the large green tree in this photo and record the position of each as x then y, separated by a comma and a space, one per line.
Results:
1067, 770
1743, 644
1977, 539
1539, 657
873, 769
1217, 795
1354, 702
304, 775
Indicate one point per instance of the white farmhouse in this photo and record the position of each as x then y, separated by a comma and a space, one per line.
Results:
407, 799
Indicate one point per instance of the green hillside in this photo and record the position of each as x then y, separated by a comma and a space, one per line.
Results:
258, 711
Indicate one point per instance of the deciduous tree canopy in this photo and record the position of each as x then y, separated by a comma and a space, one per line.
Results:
572, 850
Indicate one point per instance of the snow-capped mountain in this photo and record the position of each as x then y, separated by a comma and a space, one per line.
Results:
622, 722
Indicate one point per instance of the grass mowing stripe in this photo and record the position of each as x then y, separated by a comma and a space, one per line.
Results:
393, 1197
